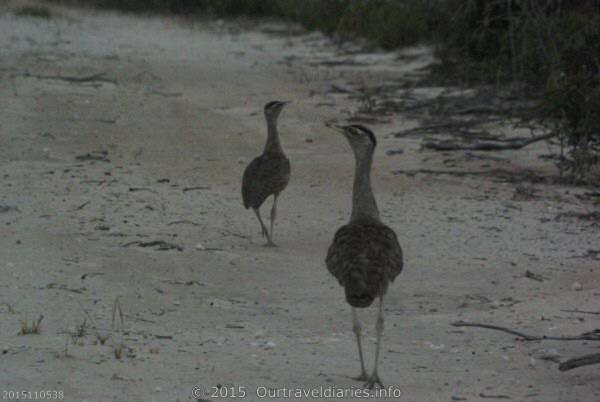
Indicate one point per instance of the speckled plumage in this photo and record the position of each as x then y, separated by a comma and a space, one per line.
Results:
266, 175
365, 257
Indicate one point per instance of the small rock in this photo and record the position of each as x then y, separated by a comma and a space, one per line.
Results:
199, 246
576, 286
434, 346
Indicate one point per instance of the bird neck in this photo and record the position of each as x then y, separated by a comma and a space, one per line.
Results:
273, 145
363, 200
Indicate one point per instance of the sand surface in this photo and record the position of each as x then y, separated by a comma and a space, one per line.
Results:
169, 126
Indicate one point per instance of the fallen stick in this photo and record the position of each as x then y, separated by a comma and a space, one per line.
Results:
516, 143
98, 77
186, 189
582, 312
535, 277
80, 207
185, 221
487, 396
501, 174
459, 173
450, 126
579, 362
160, 244
587, 336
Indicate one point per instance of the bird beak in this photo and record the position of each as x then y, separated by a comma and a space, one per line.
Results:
338, 128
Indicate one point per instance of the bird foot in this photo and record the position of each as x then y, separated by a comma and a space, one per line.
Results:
374, 380
362, 377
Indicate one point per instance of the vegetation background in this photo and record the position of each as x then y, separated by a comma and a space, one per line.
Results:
549, 49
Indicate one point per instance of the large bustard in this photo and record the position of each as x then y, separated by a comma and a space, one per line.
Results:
365, 255
267, 174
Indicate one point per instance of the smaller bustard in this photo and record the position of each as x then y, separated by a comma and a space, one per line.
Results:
365, 255
267, 174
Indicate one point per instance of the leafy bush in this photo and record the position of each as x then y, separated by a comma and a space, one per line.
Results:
552, 46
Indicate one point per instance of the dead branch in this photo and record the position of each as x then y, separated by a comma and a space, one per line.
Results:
80, 207
186, 189
166, 94
483, 109
447, 126
159, 244
459, 173
516, 143
582, 312
579, 362
500, 174
98, 77
535, 277
185, 221
587, 336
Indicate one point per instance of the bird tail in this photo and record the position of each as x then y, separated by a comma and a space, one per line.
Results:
359, 299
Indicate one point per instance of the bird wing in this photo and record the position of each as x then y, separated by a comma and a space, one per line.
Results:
372, 249
264, 176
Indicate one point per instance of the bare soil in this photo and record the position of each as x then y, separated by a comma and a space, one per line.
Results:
122, 144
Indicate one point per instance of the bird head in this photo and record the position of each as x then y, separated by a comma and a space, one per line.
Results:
272, 109
359, 137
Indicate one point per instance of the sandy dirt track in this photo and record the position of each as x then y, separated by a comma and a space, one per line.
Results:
170, 125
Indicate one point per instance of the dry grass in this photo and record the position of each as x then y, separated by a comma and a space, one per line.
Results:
117, 326
30, 323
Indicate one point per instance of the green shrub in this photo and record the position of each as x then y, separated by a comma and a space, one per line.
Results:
552, 46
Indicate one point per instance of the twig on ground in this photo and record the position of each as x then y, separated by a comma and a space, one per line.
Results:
94, 156
98, 77
535, 277
80, 207
186, 189
582, 312
501, 174
161, 244
486, 396
587, 336
513, 144
579, 362
182, 222
446, 126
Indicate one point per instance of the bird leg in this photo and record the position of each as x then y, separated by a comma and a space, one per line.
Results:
379, 329
273, 216
265, 233
356, 329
